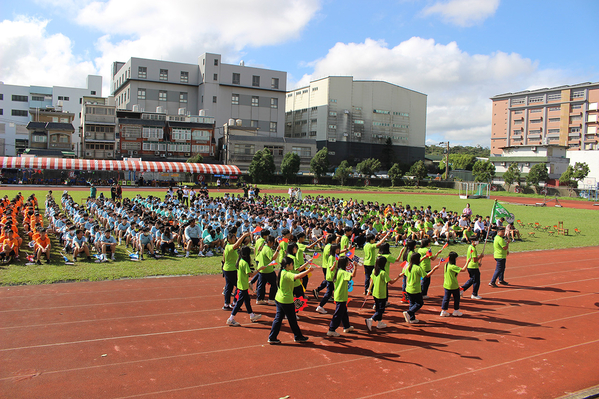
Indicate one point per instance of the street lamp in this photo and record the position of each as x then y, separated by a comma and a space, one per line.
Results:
446, 157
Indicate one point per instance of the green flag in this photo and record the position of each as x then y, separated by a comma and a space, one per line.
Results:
499, 211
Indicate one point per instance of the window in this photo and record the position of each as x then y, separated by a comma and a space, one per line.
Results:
255, 101
200, 135
575, 118
380, 111
554, 119
163, 74
274, 83
574, 130
517, 132
162, 95
274, 103
253, 123
1, 96
246, 149
40, 139
141, 94
215, 77
273, 127
358, 122
315, 89
554, 97
184, 77
256, 81
518, 112
534, 132
302, 151
200, 148
22, 99
333, 100
576, 106
554, 109
182, 97
578, 94
400, 126
532, 111
332, 126
312, 133
401, 113
142, 72
181, 134
37, 98
517, 101
214, 99
235, 99
538, 99
333, 113
66, 99
553, 131
19, 112
380, 124
2, 113
536, 120
236, 79
275, 150
93, 92
216, 62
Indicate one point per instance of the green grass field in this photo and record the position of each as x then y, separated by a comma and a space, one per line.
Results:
57, 271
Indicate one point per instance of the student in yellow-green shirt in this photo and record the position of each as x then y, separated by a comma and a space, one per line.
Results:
370, 256
378, 288
230, 265
284, 302
414, 273
500, 253
340, 316
266, 255
244, 272
330, 266
473, 260
326, 252
451, 286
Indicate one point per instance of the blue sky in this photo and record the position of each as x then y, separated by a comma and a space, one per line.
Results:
458, 52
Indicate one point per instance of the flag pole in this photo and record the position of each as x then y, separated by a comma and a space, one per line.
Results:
489, 228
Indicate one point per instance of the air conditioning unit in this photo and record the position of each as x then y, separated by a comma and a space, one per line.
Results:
135, 152
358, 134
89, 154
181, 111
109, 154
156, 152
527, 164
170, 154
163, 155
187, 154
534, 148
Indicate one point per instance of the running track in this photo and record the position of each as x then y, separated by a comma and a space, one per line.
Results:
166, 337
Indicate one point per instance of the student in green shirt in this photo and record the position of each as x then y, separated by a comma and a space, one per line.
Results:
452, 288
414, 273
370, 256
284, 302
378, 288
230, 257
500, 253
244, 272
473, 261
269, 251
325, 262
301, 249
425, 263
341, 279
329, 266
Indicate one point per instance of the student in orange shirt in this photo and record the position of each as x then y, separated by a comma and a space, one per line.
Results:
10, 247
42, 246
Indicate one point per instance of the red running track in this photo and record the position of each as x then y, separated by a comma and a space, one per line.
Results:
167, 338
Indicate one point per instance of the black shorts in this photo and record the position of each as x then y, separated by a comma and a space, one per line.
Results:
195, 241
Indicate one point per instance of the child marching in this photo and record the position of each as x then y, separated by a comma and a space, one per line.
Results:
414, 273
341, 278
378, 288
452, 288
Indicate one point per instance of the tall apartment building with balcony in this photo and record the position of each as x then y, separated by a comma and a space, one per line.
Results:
51, 133
354, 119
156, 136
256, 96
98, 128
564, 115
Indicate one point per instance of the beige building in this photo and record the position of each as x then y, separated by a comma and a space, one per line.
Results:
565, 116
98, 125
51, 133
355, 119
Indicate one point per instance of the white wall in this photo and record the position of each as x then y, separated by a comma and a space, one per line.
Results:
590, 157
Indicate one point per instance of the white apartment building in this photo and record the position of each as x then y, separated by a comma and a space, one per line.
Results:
256, 96
16, 102
355, 118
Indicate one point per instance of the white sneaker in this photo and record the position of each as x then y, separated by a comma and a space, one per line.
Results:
461, 292
201, 254
112, 256
349, 329
374, 307
232, 322
321, 310
271, 302
209, 253
445, 313
426, 297
297, 317
187, 254
255, 317
457, 313
388, 304
437, 243
475, 297
332, 334
369, 324
414, 321
261, 302
406, 316
381, 325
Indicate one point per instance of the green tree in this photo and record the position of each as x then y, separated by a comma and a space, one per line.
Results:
387, 154
319, 165
418, 170
395, 174
538, 174
573, 175
511, 175
483, 171
262, 167
290, 165
459, 162
368, 167
342, 173
196, 158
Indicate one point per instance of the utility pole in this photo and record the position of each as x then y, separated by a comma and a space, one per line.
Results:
446, 159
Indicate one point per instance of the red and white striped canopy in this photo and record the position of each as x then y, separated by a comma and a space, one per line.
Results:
102, 164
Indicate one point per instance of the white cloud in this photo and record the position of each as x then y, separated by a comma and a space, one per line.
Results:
463, 12
177, 30
29, 55
458, 84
